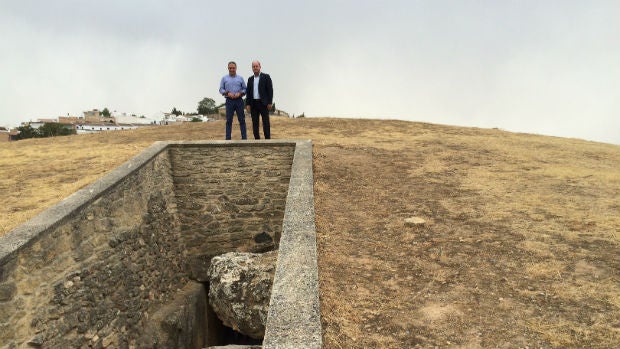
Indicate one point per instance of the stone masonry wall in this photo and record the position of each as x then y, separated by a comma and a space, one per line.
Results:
230, 199
93, 279
105, 273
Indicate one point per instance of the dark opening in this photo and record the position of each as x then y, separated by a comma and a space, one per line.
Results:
233, 337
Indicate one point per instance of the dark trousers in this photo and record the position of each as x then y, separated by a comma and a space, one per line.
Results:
232, 106
257, 107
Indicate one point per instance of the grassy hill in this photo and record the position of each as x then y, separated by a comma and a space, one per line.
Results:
520, 245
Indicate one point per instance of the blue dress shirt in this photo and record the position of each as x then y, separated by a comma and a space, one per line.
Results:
232, 84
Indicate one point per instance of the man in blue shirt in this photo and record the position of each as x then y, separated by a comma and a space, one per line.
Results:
233, 88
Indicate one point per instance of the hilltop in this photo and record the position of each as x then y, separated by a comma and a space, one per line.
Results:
519, 245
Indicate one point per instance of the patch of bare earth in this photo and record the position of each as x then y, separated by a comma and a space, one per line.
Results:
520, 245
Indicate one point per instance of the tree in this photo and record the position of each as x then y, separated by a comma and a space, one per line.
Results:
195, 119
27, 131
53, 129
207, 106
105, 112
176, 112
48, 129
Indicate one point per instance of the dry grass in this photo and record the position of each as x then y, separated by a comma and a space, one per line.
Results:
520, 248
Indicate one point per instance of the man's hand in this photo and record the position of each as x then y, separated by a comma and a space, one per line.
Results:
269, 106
247, 107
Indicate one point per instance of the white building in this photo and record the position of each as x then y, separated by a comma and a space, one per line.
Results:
39, 122
135, 120
93, 128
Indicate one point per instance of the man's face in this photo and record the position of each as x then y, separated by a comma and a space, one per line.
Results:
256, 68
232, 69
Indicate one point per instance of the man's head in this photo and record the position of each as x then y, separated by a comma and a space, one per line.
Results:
232, 68
256, 67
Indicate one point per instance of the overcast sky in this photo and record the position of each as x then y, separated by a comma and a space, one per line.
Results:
535, 66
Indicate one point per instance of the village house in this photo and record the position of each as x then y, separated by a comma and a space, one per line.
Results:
123, 118
169, 118
93, 128
39, 123
70, 120
5, 134
94, 121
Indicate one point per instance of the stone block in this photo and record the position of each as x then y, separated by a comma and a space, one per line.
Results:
7, 291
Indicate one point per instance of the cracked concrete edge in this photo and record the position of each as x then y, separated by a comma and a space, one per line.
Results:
294, 318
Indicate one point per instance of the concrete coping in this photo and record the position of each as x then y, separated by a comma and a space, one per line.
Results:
294, 319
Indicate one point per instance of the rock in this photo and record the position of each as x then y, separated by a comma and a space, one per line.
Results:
179, 324
36, 341
240, 288
413, 221
199, 262
7, 291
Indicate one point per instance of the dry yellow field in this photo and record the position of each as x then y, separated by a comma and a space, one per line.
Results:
520, 246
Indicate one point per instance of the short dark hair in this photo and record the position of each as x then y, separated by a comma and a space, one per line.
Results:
232, 62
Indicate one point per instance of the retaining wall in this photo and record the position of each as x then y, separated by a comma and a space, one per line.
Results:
119, 264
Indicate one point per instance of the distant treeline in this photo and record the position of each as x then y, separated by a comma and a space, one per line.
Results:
48, 129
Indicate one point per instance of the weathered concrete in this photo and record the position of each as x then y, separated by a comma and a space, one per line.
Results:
294, 318
111, 261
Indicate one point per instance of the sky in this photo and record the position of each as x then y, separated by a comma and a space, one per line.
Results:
534, 66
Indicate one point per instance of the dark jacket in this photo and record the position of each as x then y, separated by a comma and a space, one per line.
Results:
265, 89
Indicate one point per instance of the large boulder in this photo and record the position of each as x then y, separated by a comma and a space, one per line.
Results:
240, 288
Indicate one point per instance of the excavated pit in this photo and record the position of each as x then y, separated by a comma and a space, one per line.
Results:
122, 263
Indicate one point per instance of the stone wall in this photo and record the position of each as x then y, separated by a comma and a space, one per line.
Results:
92, 277
231, 200
108, 264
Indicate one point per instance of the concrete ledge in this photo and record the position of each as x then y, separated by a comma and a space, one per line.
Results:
294, 318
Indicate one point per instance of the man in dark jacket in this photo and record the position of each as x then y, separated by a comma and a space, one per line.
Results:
259, 100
